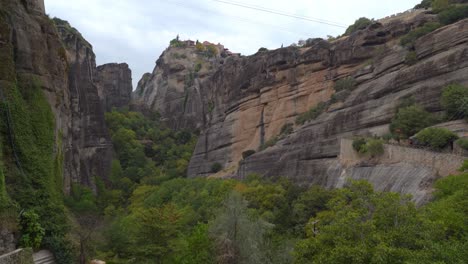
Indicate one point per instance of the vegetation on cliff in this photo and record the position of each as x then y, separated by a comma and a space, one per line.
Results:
155, 215
30, 151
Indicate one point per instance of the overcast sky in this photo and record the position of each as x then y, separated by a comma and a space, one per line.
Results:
138, 31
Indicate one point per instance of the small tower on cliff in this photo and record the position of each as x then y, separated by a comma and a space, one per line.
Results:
36, 6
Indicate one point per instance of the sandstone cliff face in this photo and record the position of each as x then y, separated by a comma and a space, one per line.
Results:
175, 90
114, 83
247, 101
90, 153
310, 154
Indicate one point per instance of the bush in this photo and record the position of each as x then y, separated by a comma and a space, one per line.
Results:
435, 137
62, 248
262, 49
311, 114
359, 24
31, 230
198, 67
216, 167
410, 120
463, 143
269, 143
248, 153
199, 47
411, 58
340, 96
374, 147
453, 14
177, 43
439, 5
286, 129
211, 51
358, 144
412, 36
348, 83
455, 101
424, 4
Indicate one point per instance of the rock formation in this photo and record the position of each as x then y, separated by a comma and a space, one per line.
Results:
114, 83
174, 89
35, 49
90, 153
248, 100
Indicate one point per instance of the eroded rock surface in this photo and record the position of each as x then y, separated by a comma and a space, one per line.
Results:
90, 152
114, 83
175, 89
247, 101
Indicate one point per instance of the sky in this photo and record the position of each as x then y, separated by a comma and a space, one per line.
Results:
138, 31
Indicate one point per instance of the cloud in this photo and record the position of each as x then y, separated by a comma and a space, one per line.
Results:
137, 32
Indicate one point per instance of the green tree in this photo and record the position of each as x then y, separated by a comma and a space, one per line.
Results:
359, 24
435, 137
32, 232
440, 5
410, 120
87, 219
197, 247
424, 4
455, 101
363, 226
239, 237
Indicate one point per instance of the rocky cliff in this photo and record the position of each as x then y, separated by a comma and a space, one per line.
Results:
249, 100
37, 51
175, 90
114, 83
90, 153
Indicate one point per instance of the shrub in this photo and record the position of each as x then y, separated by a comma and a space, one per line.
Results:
269, 143
177, 43
463, 143
359, 24
453, 14
439, 5
311, 114
358, 144
211, 51
340, 96
455, 101
286, 129
62, 248
216, 167
199, 47
262, 49
374, 147
410, 120
31, 230
198, 67
435, 137
411, 58
412, 36
424, 4
248, 153
348, 83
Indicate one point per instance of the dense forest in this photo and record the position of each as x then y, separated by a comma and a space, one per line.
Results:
152, 214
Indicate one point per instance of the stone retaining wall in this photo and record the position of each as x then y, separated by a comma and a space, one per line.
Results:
443, 164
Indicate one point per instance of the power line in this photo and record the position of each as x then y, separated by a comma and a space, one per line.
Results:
276, 12
299, 34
